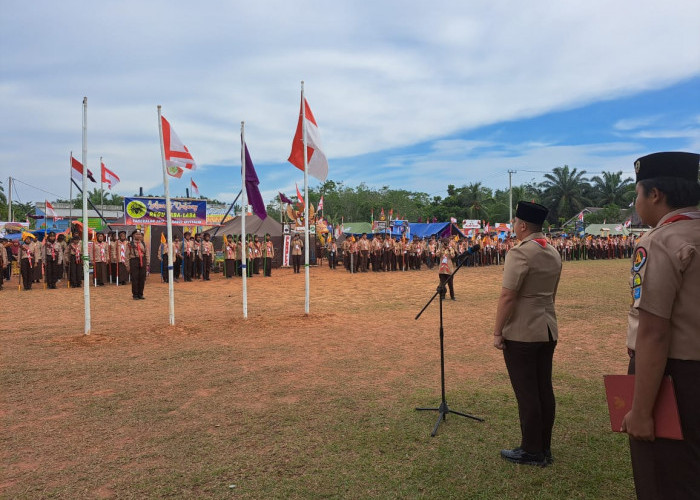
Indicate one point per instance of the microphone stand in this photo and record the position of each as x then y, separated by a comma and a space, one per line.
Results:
443, 409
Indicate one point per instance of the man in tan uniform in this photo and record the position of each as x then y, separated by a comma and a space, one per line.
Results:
526, 331
664, 334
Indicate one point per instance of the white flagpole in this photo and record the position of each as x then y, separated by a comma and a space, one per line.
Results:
86, 258
70, 206
306, 203
244, 211
102, 201
169, 222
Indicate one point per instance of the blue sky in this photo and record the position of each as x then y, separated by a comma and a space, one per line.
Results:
406, 94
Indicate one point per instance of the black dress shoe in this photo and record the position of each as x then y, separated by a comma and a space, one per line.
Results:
142, 297
136, 297
520, 456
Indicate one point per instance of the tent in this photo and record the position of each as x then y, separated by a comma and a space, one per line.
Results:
253, 225
420, 229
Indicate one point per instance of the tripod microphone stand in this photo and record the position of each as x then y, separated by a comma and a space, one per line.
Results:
443, 409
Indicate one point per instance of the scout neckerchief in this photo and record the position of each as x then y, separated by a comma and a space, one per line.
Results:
139, 252
122, 252
268, 248
28, 251
102, 251
76, 252
684, 216
445, 263
53, 251
541, 242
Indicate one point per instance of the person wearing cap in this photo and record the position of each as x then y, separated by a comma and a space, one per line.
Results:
526, 331
663, 336
297, 249
268, 255
74, 259
53, 260
26, 260
100, 259
207, 252
138, 264
4, 261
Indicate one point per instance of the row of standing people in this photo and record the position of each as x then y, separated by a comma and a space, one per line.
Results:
58, 257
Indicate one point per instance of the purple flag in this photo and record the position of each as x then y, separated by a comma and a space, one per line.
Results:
284, 199
251, 187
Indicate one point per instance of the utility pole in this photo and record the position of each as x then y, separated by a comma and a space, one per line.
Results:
510, 196
9, 200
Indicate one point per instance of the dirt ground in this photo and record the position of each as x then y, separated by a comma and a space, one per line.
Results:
92, 415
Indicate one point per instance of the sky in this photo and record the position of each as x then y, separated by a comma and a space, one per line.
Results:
410, 95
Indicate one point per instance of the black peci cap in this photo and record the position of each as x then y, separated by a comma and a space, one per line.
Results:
531, 212
675, 164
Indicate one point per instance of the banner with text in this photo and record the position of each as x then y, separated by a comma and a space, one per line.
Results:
152, 211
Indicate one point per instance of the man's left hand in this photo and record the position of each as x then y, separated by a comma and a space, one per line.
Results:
638, 426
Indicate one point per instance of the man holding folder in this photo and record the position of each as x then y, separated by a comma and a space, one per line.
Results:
664, 324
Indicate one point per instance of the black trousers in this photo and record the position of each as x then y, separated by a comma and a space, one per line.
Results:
75, 272
296, 263
27, 273
189, 267
448, 279
198, 263
665, 468
100, 270
138, 277
267, 266
331, 260
206, 266
51, 274
530, 370
229, 268
177, 268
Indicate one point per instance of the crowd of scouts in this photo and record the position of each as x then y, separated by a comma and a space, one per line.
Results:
58, 257
384, 253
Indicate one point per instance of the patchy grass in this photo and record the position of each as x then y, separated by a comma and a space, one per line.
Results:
287, 406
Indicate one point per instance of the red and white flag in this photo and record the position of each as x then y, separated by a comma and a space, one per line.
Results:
177, 156
300, 197
320, 204
48, 209
580, 216
77, 171
109, 177
317, 161
195, 188
628, 222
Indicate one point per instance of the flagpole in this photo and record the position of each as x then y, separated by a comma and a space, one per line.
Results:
244, 243
306, 203
86, 258
102, 201
70, 205
169, 223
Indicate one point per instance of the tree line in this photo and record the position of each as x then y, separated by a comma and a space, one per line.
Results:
565, 191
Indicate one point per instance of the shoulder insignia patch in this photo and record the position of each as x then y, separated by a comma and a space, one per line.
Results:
640, 258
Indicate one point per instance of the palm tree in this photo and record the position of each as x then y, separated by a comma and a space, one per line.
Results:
474, 197
564, 192
611, 189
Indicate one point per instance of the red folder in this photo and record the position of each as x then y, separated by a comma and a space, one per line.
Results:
619, 390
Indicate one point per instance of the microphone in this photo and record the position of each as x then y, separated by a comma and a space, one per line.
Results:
470, 251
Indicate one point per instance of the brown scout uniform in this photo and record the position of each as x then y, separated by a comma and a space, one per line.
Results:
533, 271
138, 264
665, 281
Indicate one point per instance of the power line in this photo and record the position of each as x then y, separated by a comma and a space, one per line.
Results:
15, 179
